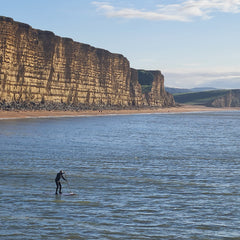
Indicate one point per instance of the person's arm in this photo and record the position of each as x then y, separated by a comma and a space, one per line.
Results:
64, 178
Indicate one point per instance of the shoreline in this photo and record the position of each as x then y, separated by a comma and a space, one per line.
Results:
5, 115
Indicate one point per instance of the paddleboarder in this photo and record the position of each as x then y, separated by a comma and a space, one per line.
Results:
58, 183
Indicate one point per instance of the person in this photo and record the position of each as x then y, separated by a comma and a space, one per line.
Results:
58, 183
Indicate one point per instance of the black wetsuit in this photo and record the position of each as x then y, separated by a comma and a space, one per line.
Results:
58, 183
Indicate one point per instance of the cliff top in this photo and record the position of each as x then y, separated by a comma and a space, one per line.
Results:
52, 34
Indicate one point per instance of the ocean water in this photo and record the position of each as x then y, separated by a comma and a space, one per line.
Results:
146, 176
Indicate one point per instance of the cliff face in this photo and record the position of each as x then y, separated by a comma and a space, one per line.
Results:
231, 99
151, 84
39, 67
158, 96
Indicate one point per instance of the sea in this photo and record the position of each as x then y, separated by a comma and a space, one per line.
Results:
143, 176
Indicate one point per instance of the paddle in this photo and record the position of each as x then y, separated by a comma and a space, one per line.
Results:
69, 188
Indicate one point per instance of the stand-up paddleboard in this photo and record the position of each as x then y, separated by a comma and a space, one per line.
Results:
69, 194
65, 194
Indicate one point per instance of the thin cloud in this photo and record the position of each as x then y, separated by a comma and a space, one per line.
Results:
203, 79
185, 11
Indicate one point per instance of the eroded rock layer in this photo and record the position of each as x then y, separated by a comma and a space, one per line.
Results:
38, 67
230, 99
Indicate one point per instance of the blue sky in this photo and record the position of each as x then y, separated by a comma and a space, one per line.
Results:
194, 43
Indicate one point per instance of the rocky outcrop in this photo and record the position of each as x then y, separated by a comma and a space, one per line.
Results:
231, 99
39, 68
152, 87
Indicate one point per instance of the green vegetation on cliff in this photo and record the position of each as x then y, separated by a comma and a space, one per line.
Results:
145, 78
216, 98
199, 98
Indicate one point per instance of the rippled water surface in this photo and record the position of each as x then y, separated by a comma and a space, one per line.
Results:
156, 176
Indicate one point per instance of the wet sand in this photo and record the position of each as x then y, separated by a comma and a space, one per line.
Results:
179, 109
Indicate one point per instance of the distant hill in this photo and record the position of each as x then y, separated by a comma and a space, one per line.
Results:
215, 98
188, 90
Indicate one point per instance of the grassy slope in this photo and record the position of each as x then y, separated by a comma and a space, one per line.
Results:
199, 98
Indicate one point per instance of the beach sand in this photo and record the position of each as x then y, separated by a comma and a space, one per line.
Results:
179, 109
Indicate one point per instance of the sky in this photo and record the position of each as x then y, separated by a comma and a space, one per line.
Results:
194, 43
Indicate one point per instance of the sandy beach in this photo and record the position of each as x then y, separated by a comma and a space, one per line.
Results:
179, 109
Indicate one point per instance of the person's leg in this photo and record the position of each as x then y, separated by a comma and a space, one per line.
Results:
60, 188
56, 187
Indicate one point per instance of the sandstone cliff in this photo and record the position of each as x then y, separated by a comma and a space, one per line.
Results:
38, 67
152, 87
230, 99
